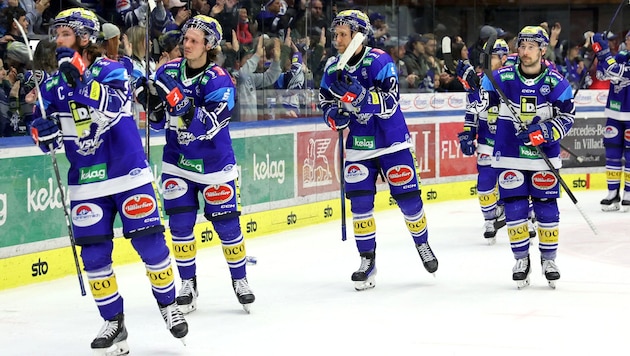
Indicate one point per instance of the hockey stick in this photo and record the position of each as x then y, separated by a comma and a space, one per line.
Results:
590, 66
147, 130
354, 44
448, 55
487, 69
51, 149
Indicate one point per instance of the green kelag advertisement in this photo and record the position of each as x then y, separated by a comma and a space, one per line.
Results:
30, 202
267, 168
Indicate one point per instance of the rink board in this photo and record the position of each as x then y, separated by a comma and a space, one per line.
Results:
56, 263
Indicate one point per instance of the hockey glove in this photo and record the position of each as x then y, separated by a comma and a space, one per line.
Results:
467, 140
172, 94
46, 133
467, 76
337, 118
537, 134
349, 90
144, 90
72, 67
600, 46
204, 124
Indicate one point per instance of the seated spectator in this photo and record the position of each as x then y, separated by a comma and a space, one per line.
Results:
9, 14
380, 31
178, 15
169, 46
34, 10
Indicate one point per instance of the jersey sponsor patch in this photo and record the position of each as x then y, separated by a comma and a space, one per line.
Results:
355, 173
193, 165
511, 179
363, 143
96, 173
139, 206
610, 132
218, 194
86, 214
544, 180
399, 175
173, 188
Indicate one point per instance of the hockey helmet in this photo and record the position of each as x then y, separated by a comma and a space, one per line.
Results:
533, 33
82, 21
355, 19
210, 27
500, 48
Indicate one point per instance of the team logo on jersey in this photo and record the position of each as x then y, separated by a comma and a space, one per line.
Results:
86, 214
399, 175
173, 188
511, 179
545, 90
218, 194
138, 206
355, 172
610, 132
544, 180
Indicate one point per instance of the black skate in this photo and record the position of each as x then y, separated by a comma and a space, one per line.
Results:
520, 272
243, 293
364, 277
174, 319
491, 226
611, 202
428, 258
187, 299
625, 204
551, 272
112, 339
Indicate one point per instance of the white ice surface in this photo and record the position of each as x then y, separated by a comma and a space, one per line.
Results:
306, 304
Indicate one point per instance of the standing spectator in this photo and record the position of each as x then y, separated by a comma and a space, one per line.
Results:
226, 12
198, 157
34, 10
6, 128
380, 31
475, 51
395, 47
378, 144
169, 46
252, 76
104, 180
111, 40
292, 80
546, 114
179, 14
616, 140
243, 32
9, 14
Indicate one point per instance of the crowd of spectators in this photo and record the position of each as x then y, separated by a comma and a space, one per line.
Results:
275, 50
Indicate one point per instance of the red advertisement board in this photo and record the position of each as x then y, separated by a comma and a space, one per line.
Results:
423, 136
452, 160
317, 162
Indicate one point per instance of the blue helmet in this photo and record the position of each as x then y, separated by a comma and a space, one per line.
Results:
82, 21
211, 28
533, 33
355, 19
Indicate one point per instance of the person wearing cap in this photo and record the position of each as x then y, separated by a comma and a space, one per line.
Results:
169, 47
176, 15
542, 101
616, 68
110, 40
417, 67
380, 31
363, 96
475, 51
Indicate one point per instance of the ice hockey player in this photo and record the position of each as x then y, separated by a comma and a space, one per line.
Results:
365, 100
198, 156
482, 127
543, 102
88, 109
616, 139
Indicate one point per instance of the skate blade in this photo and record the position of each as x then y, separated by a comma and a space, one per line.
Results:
118, 349
188, 308
367, 284
183, 340
491, 240
246, 307
625, 208
552, 284
611, 207
522, 284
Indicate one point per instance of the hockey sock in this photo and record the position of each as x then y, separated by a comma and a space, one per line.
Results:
162, 281
185, 253
104, 289
364, 231
417, 226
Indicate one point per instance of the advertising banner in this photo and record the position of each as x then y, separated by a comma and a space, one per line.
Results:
317, 162
584, 145
452, 160
423, 136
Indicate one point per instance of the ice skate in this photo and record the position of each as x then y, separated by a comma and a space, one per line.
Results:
243, 292
611, 202
112, 339
490, 232
520, 272
175, 321
625, 203
551, 272
364, 277
187, 299
429, 260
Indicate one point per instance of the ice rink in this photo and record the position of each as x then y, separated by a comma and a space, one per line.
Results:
306, 303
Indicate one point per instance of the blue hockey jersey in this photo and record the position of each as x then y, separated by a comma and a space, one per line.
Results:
546, 98
618, 102
98, 129
379, 127
205, 157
